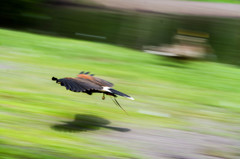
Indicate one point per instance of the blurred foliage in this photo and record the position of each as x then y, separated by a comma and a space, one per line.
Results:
89, 21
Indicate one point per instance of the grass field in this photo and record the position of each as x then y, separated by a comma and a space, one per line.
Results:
40, 119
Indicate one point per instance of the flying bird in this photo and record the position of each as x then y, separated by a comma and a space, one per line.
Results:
87, 83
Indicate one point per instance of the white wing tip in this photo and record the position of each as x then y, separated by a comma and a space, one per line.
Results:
130, 98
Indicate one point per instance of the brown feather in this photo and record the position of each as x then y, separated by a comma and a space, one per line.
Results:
95, 80
85, 76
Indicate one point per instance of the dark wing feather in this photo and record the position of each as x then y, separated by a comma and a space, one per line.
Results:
78, 85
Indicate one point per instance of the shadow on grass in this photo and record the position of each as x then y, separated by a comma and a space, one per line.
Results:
85, 122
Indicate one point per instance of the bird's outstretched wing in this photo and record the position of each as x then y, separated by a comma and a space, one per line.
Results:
84, 82
77, 84
95, 80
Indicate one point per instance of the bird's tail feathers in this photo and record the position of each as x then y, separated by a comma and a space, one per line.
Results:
114, 91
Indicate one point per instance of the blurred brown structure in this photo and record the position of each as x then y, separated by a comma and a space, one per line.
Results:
186, 45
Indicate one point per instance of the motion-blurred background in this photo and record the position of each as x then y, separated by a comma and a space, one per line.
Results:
178, 59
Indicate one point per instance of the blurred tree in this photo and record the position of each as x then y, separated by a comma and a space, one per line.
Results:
12, 12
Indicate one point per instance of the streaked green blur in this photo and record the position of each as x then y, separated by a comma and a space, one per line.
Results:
187, 102
195, 96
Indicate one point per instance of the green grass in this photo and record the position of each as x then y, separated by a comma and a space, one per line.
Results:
31, 104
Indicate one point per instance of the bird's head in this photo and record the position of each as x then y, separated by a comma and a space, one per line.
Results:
54, 79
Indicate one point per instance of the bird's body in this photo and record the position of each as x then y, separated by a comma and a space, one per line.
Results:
89, 84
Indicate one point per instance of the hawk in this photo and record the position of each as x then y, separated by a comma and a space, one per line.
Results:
87, 83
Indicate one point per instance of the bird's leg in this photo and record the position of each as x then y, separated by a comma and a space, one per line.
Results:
116, 102
103, 97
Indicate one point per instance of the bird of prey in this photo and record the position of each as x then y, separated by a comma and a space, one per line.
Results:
87, 83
